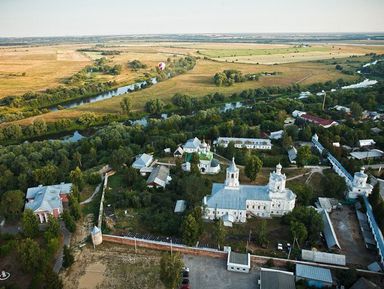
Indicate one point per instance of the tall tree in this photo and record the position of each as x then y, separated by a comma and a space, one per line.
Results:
261, 236
12, 203
356, 110
170, 268
299, 232
69, 221
219, 233
303, 156
190, 230
29, 224
53, 229
76, 176
252, 167
29, 254
125, 105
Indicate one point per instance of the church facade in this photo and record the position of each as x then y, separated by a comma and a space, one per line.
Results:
235, 202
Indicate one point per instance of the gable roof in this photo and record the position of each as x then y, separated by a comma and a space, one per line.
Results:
318, 120
329, 231
363, 283
313, 273
159, 176
142, 160
276, 279
323, 257
193, 143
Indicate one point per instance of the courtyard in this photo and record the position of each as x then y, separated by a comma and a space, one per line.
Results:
350, 238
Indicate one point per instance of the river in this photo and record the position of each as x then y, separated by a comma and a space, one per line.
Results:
105, 95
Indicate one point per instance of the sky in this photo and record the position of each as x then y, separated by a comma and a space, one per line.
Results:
24, 18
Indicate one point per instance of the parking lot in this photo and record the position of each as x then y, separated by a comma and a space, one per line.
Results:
209, 273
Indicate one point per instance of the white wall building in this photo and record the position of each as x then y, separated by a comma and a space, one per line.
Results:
244, 201
249, 143
238, 262
359, 185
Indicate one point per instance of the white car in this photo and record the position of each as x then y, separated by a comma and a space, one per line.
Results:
279, 246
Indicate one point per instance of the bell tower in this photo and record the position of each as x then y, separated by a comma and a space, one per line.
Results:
232, 177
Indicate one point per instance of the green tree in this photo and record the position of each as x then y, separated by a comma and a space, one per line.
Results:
12, 203
334, 186
46, 175
170, 269
303, 155
299, 232
29, 255
74, 207
69, 221
76, 176
190, 230
125, 105
304, 193
219, 233
29, 224
356, 110
261, 236
53, 229
252, 167
67, 257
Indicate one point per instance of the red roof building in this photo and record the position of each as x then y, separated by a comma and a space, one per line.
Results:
326, 123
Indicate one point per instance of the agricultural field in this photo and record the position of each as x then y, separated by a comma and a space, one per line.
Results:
27, 68
311, 65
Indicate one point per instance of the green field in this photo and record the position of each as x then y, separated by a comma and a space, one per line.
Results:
216, 53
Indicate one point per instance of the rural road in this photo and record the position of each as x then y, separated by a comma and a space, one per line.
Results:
94, 193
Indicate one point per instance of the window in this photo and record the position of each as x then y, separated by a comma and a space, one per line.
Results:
264, 207
247, 207
258, 207
232, 268
253, 206
243, 269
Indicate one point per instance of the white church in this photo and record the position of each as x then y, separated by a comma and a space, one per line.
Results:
234, 203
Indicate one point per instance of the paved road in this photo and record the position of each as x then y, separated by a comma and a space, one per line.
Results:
66, 241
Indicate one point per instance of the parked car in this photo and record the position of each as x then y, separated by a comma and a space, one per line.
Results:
185, 274
185, 286
185, 281
279, 246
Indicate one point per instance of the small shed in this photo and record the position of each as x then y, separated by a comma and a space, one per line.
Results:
159, 177
178, 153
323, 257
180, 206
238, 262
314, 276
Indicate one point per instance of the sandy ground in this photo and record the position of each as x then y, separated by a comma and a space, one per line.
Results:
113, 266
351, 241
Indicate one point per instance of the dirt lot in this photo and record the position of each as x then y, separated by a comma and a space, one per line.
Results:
351, 241
208, 273
113, 266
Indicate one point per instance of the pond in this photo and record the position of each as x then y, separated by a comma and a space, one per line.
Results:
105, 95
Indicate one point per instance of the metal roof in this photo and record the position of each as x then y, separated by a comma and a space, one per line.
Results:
323, 257
329, 231
47, 198
180, 206
363, 283
374, 153
159, 176
313, 273
276, 279
142, 160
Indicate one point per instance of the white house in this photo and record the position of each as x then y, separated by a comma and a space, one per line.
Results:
276, 134
141, 161
159, 177
366, 142
249, 143
359, 185
304, 94
244, 201
178, 153
194, 145
47, 200
292, 155
297, 113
